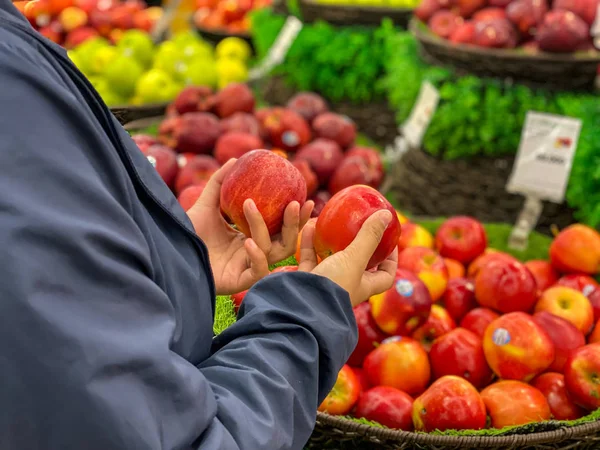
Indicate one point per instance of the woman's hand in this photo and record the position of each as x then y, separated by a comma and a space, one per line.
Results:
238, 262
348, 267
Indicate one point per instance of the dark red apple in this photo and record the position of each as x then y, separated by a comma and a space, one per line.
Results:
335, 127
198, 170
286, 129
308, 104
443, 23
353, 171
235, 97
242, 123
320, 198
235, 144
194, 99
388, 406
466, 8
552, 385
562, 32
426, 9
324, 156
369, 334
164, 160
497, 33
527, 15
191, 133
459, 298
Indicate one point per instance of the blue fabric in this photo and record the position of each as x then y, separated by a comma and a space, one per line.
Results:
107, 299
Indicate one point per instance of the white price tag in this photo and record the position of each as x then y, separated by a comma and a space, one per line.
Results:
279, 49
415, 126
543, 163
394, 152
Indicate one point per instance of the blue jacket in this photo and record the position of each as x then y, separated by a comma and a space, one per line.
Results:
107, 297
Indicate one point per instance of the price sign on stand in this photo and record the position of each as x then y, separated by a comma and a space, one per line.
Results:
277, 52
542, 168
412, 131
595, 29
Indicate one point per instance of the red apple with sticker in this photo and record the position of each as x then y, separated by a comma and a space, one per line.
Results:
478, 319
581, 376
506, 287
460, 352
343, 216
510, 402
344, 394
401, 363
461, 238
450, 403
369, 334
565, 336
164, 160
403, 308
569, 304
552, 385
414, 235
286, 129
582, 283
459, 298
271, 181
428, 266
388, 406
517, 348
576, 249
543, 272
438, 324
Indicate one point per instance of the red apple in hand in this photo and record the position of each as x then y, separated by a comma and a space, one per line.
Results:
344, 394
552, 385
438, 324
576, 249
512, 402
164, 160
324, 156
506, 287
582, 378
428, 266
403, 308
461, 238
237, 300
543, 272
369, 335
197, 170
270, 181
569, 304
335, 127
517, 348
460, 353
477, 320
399, 362
565, 336
459, 298
388, 406
450, 403
343, 216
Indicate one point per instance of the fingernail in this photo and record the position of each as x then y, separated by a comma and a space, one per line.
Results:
385, 217
252, 206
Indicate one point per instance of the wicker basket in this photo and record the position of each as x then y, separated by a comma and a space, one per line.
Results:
375, 120
559, 71
216, 36
341, 434
428, 186
311, 11
126, 114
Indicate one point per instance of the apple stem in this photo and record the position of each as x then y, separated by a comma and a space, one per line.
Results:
554, 230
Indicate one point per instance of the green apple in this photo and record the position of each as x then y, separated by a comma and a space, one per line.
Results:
86, 51
202, 72
185, 37
101, 58
139, 44
155, 86
169, 58
193, 50
123, 74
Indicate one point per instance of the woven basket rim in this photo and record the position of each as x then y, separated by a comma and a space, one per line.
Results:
512, 440
143, 107
374, 9
416, 28
222, 33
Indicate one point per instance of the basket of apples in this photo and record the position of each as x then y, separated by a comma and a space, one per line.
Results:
358, 12
217, 19
546, 42
472, 348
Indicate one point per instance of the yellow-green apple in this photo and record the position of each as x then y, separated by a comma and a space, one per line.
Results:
459, 298
342, 217
438, 324
478, 319
565, 336
569, 304
576, 249
404, 307
461, 238
399, 362
587, 286
414, 235
460, 352
552, 385
271, 181
543, 272
517, 348
582, 376
510, 402
506, 287
450, 403
369, 334
455, 268
428, 266
386, 405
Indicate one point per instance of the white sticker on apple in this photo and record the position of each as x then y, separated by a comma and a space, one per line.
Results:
501, 336
404, 287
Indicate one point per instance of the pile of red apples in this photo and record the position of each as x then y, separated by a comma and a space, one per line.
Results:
204, 129
556, 26
226, 15
469, 337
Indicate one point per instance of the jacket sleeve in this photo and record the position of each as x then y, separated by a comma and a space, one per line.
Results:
85, 332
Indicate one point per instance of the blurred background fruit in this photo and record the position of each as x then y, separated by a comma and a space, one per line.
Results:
226, 15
